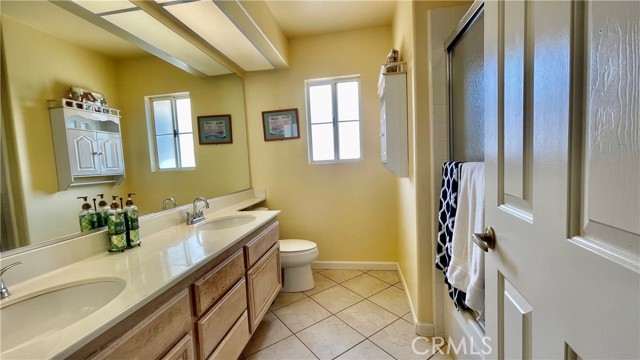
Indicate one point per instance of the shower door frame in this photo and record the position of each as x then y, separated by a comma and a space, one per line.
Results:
475, 10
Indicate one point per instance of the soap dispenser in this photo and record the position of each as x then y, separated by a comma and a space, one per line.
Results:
116, 228
133, 227
87, 216
102, 212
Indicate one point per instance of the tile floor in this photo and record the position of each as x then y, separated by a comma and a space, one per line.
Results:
350, 314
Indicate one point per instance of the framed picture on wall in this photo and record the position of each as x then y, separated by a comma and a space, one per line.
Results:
280, 124
215, 129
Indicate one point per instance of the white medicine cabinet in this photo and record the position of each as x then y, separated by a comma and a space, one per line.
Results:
87, 143
392, 90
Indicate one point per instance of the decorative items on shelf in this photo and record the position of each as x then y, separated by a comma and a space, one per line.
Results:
393, 65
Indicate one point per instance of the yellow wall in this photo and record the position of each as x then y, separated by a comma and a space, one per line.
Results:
42, 67
415, 243
349, 209
220, 169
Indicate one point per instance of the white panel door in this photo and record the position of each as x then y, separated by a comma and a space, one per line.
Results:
562, 143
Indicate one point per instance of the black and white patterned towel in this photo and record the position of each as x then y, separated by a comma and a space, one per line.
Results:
446, 220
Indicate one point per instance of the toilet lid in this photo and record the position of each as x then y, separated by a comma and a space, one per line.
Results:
294, 245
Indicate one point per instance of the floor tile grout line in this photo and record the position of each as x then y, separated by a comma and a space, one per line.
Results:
306, 327
291, 303
362, 299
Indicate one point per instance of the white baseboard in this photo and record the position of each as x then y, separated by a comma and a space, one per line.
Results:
354, 265
421, 329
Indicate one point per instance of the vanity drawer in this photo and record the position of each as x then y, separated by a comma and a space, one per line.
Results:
183, 350
212, 286
259, 245
149, 339
264, 281
213, 326
233, 344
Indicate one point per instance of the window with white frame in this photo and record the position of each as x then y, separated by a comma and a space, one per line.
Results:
171, 132
333, 118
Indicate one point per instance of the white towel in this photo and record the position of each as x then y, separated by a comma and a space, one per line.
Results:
466, 269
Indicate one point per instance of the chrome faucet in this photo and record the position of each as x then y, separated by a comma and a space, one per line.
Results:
4, 292
197, 215
171, 200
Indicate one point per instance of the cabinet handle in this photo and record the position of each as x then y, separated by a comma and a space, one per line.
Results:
97, 153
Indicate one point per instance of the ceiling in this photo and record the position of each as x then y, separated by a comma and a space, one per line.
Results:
295, 19
313, 17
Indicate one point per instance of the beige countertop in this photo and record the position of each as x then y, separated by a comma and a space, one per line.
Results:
165, 258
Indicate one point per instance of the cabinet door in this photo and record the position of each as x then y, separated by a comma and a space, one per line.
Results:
83, 152
263, 284
111, 157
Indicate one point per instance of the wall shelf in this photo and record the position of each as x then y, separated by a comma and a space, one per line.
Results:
392, 91
87, 143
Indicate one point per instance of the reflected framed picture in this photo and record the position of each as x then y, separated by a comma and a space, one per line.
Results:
280, 124
215, 129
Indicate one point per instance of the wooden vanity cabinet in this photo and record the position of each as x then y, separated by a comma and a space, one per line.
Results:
154, 335
210, 314
264, 278
211, 287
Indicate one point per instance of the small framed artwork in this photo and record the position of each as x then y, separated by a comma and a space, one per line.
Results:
215, 129
280, 124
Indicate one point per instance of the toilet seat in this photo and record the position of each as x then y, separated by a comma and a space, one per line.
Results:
296, 245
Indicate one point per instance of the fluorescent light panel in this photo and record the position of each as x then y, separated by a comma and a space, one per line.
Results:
148, 29
99, 7
208, 21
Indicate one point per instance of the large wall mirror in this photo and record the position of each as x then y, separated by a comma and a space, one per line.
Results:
38, 65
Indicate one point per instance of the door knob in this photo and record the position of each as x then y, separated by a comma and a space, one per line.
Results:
485, 240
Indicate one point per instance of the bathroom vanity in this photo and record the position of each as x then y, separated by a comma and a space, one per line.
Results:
189, 292
208, 315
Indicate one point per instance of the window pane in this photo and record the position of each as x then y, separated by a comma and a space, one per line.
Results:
166, 152
162, 117
349, 140
348, 101
322, 142
186, 150
320, 104
183, 108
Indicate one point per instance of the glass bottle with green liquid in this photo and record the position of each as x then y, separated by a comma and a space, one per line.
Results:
116, 229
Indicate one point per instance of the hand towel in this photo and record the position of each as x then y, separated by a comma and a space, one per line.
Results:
446, 220
466, 268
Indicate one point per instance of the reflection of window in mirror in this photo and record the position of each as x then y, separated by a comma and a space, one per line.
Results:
170, 132
333, 113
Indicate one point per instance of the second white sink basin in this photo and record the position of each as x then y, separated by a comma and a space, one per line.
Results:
226, 222
52, 311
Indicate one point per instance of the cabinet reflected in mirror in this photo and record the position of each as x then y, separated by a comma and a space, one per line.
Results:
37, 67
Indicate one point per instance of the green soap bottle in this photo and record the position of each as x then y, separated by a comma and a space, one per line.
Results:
133, 227
87, 217
116, 227
102, 212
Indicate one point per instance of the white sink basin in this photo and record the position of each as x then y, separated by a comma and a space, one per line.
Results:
226, 222
44, 314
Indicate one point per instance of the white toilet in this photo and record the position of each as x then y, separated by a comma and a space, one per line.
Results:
296, 257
